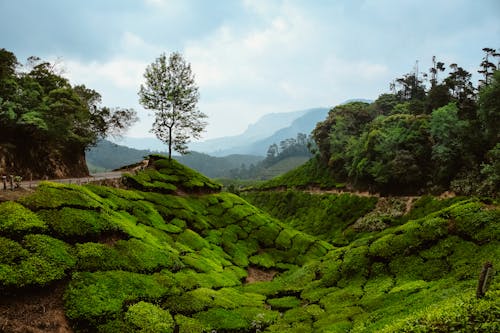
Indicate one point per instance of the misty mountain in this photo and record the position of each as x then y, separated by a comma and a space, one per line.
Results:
303, 124
265, 127
109, 155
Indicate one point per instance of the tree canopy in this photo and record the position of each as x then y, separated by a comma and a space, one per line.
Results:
37, 104
418, 139
171, 92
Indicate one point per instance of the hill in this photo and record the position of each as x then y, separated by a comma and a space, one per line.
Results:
270, 128
303, 124
170, 253
109, 155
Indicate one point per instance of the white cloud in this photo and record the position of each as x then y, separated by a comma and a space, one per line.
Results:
120, 72
280, 65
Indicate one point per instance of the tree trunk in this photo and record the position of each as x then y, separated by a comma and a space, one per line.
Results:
170, 144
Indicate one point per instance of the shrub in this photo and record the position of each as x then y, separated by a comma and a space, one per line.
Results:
149, 318
131, 255
53, 195
189, 325
287, 302
16, 220
90, 297
192, 239
70, 222
11, 252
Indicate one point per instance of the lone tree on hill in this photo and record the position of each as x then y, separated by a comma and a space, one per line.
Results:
171, 92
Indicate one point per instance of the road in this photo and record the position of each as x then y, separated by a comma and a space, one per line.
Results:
79, 181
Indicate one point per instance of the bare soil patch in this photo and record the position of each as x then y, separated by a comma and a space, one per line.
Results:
34, 311
11, 195
259, 275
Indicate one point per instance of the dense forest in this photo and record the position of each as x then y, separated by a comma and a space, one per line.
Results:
46, 122
432, 132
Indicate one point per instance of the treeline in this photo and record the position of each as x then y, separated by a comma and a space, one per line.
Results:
300, 146
429, 134
40, 108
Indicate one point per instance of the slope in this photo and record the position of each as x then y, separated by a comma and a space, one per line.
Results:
172, 253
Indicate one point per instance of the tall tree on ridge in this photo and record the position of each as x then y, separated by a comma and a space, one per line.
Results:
170, 91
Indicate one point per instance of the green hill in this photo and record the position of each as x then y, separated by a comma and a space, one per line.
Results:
170, 253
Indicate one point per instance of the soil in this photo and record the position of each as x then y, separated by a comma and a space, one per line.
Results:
11, 195
34, 311
259, 275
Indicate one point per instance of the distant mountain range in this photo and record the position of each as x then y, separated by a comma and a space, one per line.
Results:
107, 155
269, 129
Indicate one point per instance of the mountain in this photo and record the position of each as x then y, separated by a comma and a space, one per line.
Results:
305, 123
109, 155
273, 126
264, 127
147, 143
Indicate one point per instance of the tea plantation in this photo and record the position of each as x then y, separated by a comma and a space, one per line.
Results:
173, 254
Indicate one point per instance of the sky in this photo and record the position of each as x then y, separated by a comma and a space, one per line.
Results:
249, 57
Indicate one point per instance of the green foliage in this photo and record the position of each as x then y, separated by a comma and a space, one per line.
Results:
287, 302
310, 173
171, 92
450, 150
192, 239
489, 111
148, 318
324, 216
132, 255
54, 195
166, 176
414, 140
43, 107
16, 220
70, 222
457, 314
140, 258
40, 260
90, 297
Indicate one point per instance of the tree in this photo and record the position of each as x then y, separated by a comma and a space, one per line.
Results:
170, 91
451, 143
487, 67
489, 110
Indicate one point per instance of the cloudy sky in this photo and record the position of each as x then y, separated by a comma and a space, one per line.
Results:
250, 57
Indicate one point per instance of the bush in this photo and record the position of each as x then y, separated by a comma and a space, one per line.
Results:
91, 297
148, 318
72, 223
16, 220
41, 260
53, 195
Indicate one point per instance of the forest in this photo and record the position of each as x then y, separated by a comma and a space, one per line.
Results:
46, 122
431, 133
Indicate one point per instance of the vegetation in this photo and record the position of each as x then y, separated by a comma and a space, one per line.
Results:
418, 138
143, 260
290, 154
39, 107
311, 173
171, 92
325, 216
